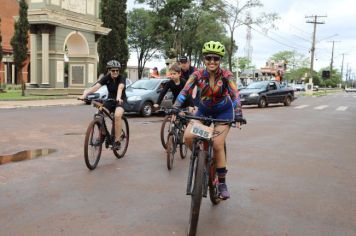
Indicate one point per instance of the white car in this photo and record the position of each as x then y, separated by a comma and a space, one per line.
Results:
101, 93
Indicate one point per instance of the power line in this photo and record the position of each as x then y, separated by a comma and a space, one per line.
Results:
275, 40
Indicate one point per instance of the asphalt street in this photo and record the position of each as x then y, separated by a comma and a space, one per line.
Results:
292, 171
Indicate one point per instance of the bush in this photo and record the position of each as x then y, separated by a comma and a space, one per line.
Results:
9, 87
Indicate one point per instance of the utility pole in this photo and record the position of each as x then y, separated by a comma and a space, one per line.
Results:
332, 58
315, 22
342, 66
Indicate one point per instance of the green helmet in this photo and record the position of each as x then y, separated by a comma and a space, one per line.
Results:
214, 47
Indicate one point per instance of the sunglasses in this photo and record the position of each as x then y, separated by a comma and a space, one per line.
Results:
214, 58
114, 71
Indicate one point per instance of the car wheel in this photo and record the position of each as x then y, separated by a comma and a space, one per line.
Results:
262, 103
147, 109
287, 101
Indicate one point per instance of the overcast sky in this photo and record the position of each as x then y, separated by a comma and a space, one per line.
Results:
294, 33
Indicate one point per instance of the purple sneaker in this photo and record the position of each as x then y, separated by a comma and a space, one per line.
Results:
223, 192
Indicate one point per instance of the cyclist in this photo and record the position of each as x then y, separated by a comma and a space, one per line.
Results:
176, 84
219, 99
116, 87
187, 70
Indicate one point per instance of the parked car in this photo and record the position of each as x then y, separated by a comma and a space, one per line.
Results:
350, 90
299, 87
142, 94
262, 93
128, 82
101, 93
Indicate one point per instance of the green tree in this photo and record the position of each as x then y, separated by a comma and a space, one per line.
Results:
334, 81
244, 63
19, 42
207, 28
293, 59
113, 45
234, 15
142, 37
296, 75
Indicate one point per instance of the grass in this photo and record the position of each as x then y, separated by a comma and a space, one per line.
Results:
15, 95
321, 92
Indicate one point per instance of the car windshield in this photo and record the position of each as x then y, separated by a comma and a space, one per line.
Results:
145, 84
257, 85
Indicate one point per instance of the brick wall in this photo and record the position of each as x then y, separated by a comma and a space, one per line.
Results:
8, 11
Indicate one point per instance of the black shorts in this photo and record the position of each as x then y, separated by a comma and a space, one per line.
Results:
111, 105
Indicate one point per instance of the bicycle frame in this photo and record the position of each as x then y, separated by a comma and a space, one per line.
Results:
100, 115
206, 145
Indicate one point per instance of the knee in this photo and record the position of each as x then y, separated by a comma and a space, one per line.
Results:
118, 115
218, 146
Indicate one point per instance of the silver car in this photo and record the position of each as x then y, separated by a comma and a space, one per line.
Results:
142, 94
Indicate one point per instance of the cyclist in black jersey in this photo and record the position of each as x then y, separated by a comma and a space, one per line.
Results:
116, 84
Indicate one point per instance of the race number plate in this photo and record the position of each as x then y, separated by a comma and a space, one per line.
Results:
202, 131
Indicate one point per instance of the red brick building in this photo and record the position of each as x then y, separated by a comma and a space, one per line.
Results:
9, 10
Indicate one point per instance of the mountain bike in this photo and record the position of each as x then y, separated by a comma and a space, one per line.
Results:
101, 130
166, 126
202, 174
175, 138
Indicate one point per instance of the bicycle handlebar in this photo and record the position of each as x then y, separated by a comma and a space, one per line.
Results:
240, 120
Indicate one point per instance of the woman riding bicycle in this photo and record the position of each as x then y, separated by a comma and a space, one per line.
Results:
116, 87
219, 100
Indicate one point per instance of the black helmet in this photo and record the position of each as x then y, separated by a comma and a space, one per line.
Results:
113, 64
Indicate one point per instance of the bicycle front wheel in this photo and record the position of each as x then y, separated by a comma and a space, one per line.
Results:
124, 139
93, 144
165, 131
197, 193
170, 151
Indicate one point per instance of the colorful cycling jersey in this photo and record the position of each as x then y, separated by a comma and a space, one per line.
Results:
212, 96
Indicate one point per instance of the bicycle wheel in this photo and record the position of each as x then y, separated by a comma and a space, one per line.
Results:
124, 139
93, 144
213, 184
197, 193
170, 151
165, 130
183, 150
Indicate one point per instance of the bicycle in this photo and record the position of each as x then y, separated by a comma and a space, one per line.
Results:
166, 127
175, 138
202, 174
98, 133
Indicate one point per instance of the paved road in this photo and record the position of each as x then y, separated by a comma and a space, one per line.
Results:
291, 172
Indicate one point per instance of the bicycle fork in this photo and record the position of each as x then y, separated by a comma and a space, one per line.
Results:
198, 146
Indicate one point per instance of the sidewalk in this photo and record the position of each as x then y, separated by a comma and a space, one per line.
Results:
40, 103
